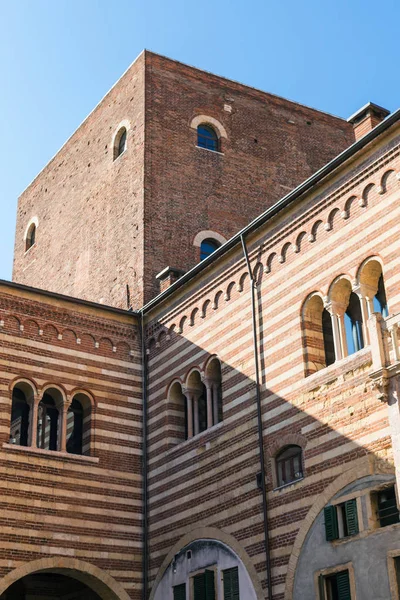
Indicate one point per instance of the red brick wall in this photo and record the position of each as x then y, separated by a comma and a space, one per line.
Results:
90, 209
272, 145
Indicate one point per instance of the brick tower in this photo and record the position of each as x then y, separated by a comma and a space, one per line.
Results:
131, 193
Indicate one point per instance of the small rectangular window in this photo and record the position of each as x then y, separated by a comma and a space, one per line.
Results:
180, 591
335, 586
231, 584
341, 520
388, 513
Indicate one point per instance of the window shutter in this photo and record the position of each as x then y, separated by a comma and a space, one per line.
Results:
180, 592
209, 585
351, 517
199, 587
343, 585
231, 584
331, 523
321, 587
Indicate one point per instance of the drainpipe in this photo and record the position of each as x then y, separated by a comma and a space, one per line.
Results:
259, 419
145, 562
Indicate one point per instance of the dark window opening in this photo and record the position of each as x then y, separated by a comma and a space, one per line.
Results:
180, 591
335, 587
120, 142
47, 426
31, 237
354, 324
208, 247
388, 513
327, 332
289, 466
231, 584
380, 301
19, 430
75, 428
204, 586
207, 138
202, 403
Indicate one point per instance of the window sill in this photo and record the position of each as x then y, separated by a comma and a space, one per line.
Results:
29, 249
286, 485
212, 151
51, 453
196, 438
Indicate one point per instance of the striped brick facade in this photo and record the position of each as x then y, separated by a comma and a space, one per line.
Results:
59, 508
166, 492
208, 483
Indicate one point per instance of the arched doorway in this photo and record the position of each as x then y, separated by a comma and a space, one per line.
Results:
49, 585
60, 578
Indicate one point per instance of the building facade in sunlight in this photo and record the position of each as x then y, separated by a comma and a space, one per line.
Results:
200, 352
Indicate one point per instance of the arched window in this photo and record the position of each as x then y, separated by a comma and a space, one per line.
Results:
177, 414
79, 425
120, 142
75, 427
207, 247
354, 325
213, 381
318, 335
207, 137
379, 301
372, 286
22, 401
289, 465
48, 426
30, 237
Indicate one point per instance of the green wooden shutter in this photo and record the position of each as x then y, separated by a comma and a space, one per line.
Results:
180, 592
321, 587
209, 585
331, 523
343, 585
231, 584
351, 517
199, 587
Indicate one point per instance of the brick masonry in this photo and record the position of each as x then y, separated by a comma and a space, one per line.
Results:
106, 225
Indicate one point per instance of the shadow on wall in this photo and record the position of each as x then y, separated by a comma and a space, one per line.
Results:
325, 446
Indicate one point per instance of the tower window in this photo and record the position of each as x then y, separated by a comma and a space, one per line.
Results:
207, 138
208, 247
120, 142
31, 237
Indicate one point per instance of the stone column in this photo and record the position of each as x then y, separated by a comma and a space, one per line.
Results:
33, 419
337, 326
62, 428
209, 388
215, 402
189, 410
366, 294
196, 413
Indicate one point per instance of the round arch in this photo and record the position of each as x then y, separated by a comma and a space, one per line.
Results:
361, 469
210, 533
206, 119
208, 234
25, 381
99, 581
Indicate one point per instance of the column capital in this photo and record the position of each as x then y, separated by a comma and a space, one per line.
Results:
336, 308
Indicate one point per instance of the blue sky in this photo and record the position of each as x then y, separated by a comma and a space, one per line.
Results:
59, 57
